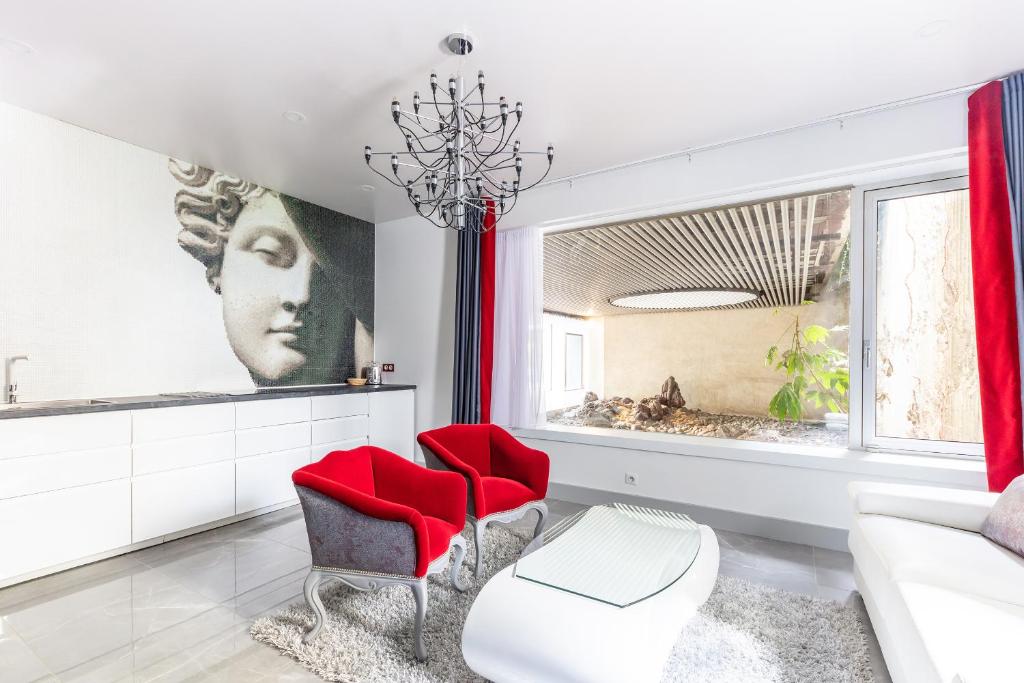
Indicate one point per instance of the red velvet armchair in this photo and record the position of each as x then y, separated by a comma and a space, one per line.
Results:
506, 479
375, 519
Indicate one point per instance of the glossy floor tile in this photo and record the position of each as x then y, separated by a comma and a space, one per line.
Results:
181, 611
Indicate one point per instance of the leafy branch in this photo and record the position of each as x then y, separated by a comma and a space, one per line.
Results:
815, 372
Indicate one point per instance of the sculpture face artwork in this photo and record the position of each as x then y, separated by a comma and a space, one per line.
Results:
291, 276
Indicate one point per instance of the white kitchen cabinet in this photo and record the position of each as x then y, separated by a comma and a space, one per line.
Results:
271, 411
155, 424
266, 479
271, 439
55, 471
50, 529
393, 422
318, 451
340, 405
339, 429
79, 485
167, 502
61, 433
173, 454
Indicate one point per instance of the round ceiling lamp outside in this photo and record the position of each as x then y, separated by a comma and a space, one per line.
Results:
683, 299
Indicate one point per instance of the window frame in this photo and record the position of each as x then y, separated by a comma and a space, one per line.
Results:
867, 295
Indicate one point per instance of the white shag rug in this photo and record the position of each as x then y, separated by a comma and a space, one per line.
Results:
745, 633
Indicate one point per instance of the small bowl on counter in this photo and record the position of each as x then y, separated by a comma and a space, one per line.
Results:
356, 381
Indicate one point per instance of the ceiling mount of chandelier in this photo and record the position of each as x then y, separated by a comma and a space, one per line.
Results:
460, 151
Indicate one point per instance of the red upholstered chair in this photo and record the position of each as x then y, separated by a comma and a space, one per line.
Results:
376, 519
506, 479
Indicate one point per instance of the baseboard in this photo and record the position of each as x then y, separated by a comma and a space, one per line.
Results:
728, 520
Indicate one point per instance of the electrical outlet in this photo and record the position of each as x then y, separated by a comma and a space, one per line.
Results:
388, 367
632, 478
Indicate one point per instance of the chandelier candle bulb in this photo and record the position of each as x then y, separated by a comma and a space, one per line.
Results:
396, 110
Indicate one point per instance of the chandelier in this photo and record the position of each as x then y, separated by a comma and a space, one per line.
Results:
461, 152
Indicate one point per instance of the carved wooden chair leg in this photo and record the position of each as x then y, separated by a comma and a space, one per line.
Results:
419, 592
310, 588
542, 515
479, 527
460, 554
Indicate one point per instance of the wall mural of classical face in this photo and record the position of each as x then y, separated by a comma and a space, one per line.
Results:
295, 279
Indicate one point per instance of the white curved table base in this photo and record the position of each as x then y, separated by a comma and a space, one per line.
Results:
518, 630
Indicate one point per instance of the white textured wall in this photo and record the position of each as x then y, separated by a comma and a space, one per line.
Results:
86, 224
414, 299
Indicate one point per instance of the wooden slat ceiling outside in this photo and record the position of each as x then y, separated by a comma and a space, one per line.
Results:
784, 249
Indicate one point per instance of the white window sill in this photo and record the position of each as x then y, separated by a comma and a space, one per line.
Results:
966, 472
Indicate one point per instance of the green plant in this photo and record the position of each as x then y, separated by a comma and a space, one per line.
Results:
815, 372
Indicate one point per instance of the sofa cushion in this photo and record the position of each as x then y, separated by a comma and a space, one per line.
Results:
944, 557
1005, 522
965, 635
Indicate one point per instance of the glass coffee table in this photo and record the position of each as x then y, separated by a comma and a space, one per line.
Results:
600, 596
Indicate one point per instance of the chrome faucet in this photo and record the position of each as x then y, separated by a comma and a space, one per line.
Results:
10, 386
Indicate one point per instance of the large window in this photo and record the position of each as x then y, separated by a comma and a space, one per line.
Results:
920, 355
734, 322
731, 322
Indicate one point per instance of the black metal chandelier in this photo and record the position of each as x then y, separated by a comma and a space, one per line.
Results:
459, 153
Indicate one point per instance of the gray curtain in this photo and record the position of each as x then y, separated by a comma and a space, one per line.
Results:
466, 383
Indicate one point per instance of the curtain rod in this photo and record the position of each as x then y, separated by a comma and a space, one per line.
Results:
896, 104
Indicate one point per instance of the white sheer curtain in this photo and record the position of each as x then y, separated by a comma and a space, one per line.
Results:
516, 391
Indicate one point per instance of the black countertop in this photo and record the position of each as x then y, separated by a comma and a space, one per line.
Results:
187, 398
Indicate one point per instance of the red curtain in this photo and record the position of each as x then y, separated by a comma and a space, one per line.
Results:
995, 288
487, 243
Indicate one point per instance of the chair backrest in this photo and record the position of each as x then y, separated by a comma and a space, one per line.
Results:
352, 468
469, 443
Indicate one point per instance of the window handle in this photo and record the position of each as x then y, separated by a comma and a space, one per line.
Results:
867, 353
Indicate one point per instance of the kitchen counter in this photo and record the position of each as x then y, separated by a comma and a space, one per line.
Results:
100, 405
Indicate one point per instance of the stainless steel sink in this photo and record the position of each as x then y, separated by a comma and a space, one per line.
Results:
65, 403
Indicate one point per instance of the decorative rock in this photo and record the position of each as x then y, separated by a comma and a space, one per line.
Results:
670, 394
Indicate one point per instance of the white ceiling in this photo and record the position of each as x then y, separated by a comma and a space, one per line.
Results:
606, 82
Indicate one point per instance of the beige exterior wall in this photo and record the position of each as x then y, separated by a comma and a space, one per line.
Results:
717, 357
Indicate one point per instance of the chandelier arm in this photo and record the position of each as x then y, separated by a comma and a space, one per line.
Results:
386, 177
538, 181
409, 131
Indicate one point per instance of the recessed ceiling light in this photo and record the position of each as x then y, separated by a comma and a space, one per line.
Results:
932, 28
681, 299
16, 46
294, 117
367, 188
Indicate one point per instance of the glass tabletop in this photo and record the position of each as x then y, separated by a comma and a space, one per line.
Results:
617, 554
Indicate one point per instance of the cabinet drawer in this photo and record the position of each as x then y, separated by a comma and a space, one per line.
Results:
265, 413
167, 502
60, 433
263, 480
156, 424
55, 471
271, 439
48, 529
172, 454
326, 407
339, 429
320, 450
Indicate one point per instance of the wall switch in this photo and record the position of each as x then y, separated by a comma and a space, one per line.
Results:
388, 367
632, 478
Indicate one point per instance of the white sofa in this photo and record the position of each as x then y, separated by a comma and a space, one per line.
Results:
946, 603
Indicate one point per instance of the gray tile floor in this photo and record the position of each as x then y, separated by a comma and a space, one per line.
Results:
181, 610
